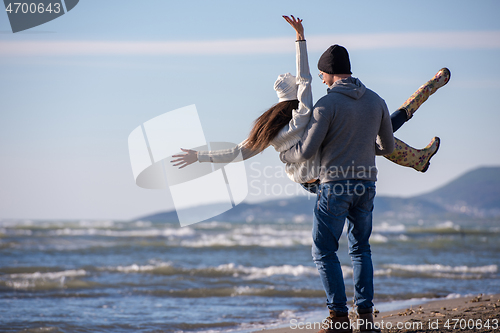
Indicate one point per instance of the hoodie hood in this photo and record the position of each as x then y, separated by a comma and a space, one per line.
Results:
350, 86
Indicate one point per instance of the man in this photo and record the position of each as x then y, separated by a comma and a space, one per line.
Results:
349, 126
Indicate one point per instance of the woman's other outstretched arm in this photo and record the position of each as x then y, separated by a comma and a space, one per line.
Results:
214, 156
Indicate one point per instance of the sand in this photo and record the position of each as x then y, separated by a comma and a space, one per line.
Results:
467, 314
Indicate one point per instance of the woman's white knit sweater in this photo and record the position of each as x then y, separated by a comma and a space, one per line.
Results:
289, 135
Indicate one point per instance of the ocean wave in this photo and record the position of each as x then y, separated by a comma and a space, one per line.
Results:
43, 329
31, 224
255, 273
214, 225
378, 238
46, 280
252, 273
230, 269
223, 270
44, 285
444, 227
213, 234
441, 271
49, 275
389, 228
158, 268
235, 291
245, 240
256, 235
182, 232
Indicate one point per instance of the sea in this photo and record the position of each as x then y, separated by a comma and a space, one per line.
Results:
143, 276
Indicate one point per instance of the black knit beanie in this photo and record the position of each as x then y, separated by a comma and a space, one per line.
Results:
335, 60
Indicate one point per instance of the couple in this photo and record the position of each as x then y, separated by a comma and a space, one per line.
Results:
330, 148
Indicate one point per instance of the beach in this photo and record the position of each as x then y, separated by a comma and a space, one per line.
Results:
479, 313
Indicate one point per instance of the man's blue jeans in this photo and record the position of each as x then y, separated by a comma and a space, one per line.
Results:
338, 200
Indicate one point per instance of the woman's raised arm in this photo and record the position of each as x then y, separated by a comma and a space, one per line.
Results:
300, 116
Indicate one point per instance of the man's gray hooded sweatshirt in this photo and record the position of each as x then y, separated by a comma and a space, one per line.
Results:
349, 126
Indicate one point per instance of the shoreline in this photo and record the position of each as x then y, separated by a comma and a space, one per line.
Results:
463, 314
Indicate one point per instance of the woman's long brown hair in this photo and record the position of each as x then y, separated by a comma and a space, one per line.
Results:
268, 125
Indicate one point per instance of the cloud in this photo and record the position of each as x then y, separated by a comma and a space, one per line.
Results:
430, 40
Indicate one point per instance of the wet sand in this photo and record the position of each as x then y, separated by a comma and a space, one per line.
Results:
479, 313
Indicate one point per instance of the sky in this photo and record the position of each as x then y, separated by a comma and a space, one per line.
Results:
73, 89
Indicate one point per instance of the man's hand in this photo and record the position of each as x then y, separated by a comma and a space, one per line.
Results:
296, 23
184, 160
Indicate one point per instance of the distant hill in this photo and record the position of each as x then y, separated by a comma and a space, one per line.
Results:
281, 210
474, 194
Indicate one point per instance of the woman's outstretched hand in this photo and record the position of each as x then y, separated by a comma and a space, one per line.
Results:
184, 160
296, 23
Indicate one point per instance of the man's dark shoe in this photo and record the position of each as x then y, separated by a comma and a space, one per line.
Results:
336, 322
366, 321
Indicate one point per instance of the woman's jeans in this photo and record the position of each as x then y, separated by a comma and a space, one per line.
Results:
398, 118
338, 200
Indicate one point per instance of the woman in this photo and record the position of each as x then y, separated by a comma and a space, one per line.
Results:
283, 124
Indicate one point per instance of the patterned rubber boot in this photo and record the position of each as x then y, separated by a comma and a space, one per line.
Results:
336, 323
422, 94
418, 159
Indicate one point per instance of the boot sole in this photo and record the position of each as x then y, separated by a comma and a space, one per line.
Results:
426, 167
